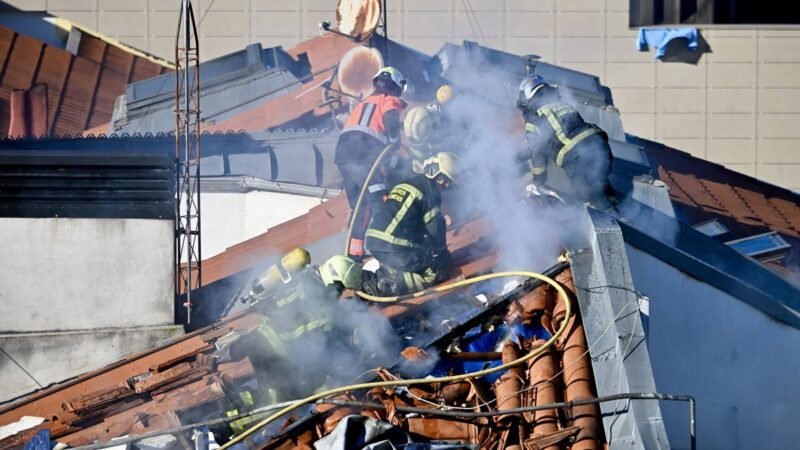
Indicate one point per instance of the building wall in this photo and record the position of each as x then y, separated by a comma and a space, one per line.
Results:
739, 106
75, 274
78, 294
739, 364
231, 218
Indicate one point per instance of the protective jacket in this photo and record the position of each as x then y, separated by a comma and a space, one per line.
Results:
368, 129
554, 131
410, 218
304, 306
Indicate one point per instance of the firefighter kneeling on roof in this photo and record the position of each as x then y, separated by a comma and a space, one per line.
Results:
556, 132
299, 325
407, 233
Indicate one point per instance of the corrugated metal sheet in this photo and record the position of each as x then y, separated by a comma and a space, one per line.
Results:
93, 183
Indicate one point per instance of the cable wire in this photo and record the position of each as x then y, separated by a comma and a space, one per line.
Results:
21, 368
532, 354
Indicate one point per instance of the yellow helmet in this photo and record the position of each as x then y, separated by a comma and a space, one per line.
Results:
443, 163
342, 269
420, 124
444, 94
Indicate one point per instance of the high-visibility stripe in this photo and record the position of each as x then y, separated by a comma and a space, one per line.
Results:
313, 325
430, 214
376, 188
413, 194
538, 170
377, 234
551, 112
573, 142
366, 114
365, 129
547, 112
531, 128
272, 337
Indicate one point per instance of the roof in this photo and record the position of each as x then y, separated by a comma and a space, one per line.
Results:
703, 191
81, 87
290, 161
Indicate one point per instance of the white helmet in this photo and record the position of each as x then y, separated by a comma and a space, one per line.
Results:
420, 125
391, 80
528, 89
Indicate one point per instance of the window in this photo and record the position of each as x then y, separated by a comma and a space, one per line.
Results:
765, 245
646, 13
711, 228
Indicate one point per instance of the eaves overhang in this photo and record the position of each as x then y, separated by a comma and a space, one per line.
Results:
714, 263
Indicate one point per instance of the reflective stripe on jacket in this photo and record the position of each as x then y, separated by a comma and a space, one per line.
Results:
367, 116
409, 218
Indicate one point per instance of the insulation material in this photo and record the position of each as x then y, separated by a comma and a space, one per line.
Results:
356, 70
358, 17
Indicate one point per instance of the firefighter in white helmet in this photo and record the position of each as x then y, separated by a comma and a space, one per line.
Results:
371, 126
557, 134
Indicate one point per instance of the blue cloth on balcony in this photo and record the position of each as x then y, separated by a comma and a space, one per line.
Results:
658, 38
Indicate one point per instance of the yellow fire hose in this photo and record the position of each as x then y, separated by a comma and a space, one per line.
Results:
532, 354
357, 208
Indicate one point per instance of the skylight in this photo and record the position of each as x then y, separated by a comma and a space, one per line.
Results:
760, 244
711, 228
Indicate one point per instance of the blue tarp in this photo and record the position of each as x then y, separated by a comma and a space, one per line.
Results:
41, 441
658, 38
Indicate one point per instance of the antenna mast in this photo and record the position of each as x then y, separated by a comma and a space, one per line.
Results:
187, 157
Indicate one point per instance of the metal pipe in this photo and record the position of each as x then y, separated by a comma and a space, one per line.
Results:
115, 442
559, 405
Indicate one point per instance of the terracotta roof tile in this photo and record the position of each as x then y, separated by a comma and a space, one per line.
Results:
702, 190
53, 72
22, 62
323, 53
81, 89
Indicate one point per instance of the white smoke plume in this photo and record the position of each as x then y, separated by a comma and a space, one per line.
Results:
488, 129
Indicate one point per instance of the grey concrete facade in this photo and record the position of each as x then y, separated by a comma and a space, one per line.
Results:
738, 106
53, 357
621, 363
77, 294
75, 274
738, 363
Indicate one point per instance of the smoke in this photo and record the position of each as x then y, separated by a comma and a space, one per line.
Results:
486, 128
326, 342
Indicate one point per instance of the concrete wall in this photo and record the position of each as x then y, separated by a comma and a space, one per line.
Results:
77, 294
740, 365
231, 218
73, 274
57, 356
738, 106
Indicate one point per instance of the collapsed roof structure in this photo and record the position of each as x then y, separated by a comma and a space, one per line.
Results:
661, 303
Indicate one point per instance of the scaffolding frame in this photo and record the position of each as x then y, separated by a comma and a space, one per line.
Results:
187, 158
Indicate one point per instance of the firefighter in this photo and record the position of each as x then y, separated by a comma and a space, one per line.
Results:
407, 234
555, 132
427, 127
371, 126
298, 325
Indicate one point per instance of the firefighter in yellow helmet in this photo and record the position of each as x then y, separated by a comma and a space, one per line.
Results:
427, 127
299, 318
407, 234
